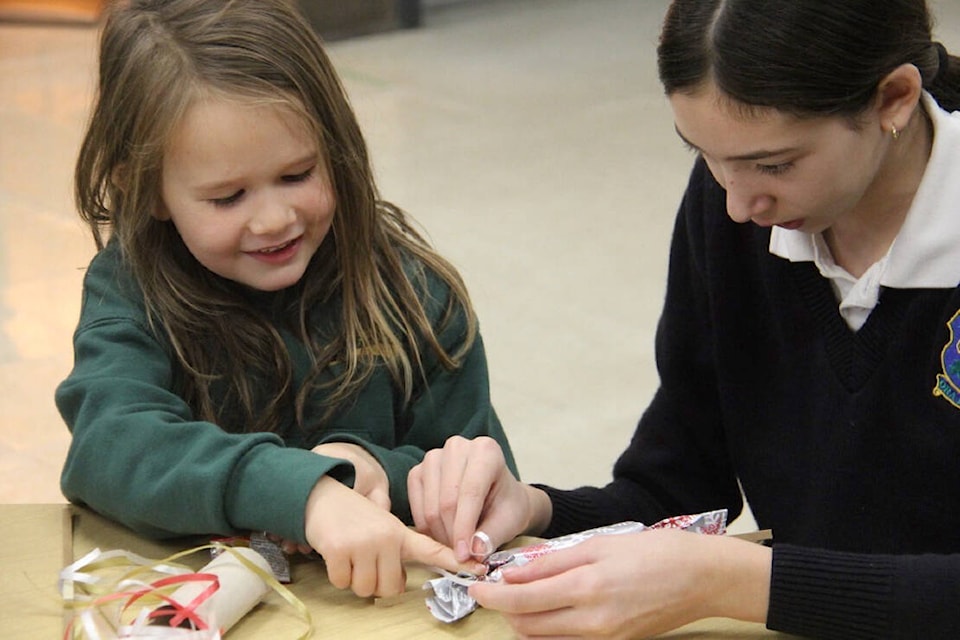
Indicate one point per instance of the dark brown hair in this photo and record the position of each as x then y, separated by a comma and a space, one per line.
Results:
806, 57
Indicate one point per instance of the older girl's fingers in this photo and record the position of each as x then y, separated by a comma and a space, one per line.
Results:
415, 497
426, 482
548, 583
517, 598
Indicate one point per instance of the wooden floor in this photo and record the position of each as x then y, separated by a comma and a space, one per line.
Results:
84, 11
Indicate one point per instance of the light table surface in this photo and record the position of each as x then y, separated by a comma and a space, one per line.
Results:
37, 541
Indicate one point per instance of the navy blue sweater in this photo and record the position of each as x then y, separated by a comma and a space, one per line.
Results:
839, 440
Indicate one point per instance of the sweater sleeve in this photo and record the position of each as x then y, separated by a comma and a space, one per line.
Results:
677, 461
138, 456
848, 596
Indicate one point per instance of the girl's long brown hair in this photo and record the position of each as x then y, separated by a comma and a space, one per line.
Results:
156, 58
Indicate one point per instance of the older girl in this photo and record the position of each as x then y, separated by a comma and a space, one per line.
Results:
809, 350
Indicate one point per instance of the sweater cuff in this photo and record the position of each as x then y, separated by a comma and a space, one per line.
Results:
829, 594
571, 510
270, 486
397, 464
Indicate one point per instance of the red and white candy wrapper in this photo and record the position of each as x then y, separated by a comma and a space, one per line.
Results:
450, 600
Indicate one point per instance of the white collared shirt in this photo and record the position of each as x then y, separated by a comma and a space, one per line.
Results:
926, 251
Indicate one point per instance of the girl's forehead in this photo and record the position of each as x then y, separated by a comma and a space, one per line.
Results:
722, 128
209, 106
713, 99
216, 132
278, 100
709, 111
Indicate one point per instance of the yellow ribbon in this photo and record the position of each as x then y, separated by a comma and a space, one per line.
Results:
87, 588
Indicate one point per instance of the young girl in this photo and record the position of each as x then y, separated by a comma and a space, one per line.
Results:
259, 331
809, 350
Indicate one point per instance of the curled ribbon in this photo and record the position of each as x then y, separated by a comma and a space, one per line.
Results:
91, 587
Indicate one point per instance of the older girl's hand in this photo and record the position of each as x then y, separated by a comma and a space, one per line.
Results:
466, 487
632, 586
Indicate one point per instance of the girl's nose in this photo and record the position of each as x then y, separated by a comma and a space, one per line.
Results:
743, 204
272, 217
738, 203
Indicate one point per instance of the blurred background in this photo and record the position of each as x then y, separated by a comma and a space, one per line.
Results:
530, 139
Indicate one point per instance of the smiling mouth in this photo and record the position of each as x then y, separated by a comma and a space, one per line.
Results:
278, 248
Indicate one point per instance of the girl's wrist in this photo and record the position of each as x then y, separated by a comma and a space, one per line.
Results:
540, 510
739, 586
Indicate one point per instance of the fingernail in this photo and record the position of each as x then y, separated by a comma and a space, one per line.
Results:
481, 546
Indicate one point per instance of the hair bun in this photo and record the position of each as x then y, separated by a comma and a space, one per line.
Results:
943, 59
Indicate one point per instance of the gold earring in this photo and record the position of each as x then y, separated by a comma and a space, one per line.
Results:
894, 132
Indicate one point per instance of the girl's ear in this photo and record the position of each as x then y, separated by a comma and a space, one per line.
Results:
897, 96
161, 213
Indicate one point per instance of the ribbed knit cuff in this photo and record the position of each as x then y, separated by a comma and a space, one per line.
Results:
588, 507
570, 509
828, 594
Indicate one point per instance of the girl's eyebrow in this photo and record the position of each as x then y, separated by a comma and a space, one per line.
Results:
217, 185
760, 154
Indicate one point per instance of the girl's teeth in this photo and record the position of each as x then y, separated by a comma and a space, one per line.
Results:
275, 249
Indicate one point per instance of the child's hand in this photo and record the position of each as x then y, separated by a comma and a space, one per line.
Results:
371, 480
289, 547
364, 547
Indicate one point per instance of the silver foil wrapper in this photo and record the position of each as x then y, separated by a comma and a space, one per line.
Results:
450, 601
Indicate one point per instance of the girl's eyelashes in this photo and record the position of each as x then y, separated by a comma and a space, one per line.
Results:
236, 197
299, 177
775, 169
229, 200
766, 169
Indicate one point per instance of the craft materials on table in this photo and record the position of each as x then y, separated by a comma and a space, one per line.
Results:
118, 594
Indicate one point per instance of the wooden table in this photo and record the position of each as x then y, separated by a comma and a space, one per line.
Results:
36, 541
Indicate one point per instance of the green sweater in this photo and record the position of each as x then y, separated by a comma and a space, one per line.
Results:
139, 456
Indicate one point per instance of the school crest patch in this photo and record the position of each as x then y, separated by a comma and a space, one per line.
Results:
948, 382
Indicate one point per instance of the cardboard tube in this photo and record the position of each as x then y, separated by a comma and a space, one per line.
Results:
240, 589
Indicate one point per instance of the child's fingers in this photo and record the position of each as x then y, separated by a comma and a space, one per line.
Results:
339, 571
380, 497
363, 578
425, 550
391, 578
